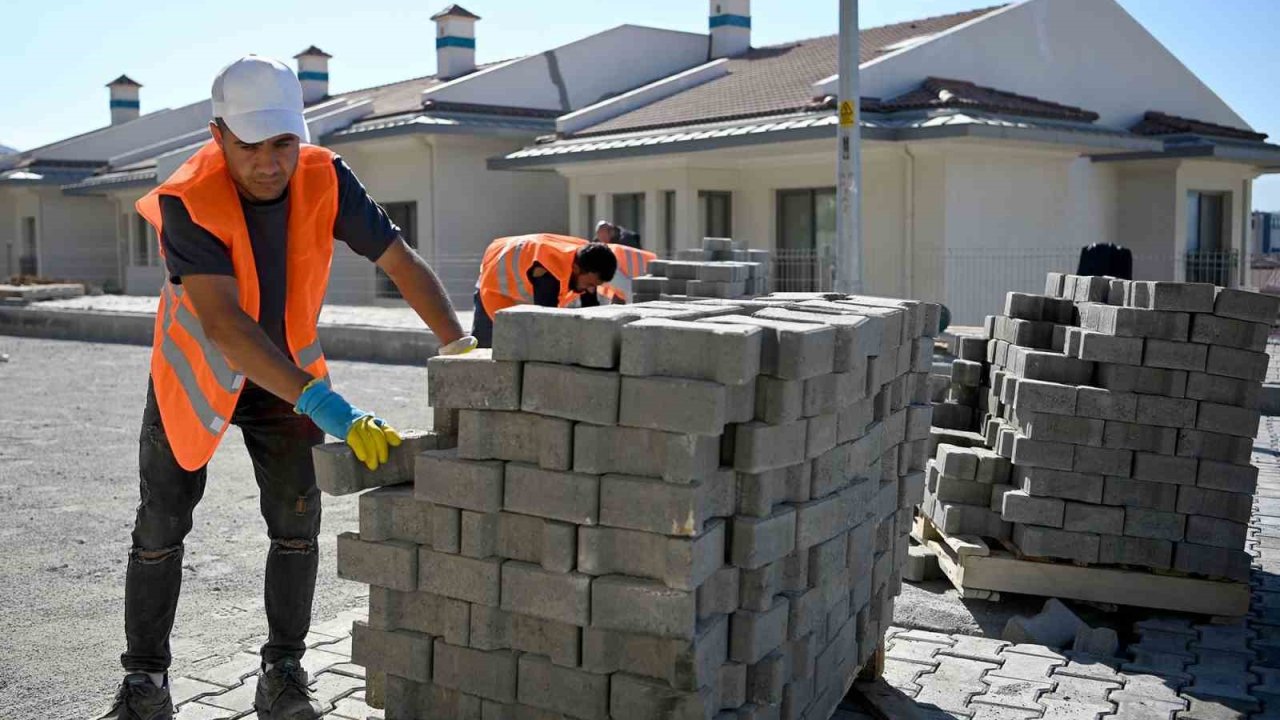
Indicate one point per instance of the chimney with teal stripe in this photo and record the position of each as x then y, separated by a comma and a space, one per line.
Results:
124, 100
455, 42
730, 28
313, 74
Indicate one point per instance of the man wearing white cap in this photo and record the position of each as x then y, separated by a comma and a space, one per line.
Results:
246, 228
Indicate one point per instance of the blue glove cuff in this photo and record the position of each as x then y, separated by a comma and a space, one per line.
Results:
328, 409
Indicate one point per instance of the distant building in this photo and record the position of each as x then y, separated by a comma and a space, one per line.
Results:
1264, 228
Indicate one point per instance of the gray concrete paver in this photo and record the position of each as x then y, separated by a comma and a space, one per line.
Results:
1021, 666
977, 648
906, 649
200, 711
1132, 707
1012, 692
1000, 712
1091, 668
952, 684
1209, 710
902, 674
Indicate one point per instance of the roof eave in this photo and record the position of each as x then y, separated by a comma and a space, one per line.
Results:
102, 188
420, 128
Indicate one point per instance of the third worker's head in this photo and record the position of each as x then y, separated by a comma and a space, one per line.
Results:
258, 123
593, 265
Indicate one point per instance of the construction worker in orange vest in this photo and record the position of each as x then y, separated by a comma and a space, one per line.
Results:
246, 228
632, 263
542, 269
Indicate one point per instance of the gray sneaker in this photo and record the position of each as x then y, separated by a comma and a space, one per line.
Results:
139, 699
283, 694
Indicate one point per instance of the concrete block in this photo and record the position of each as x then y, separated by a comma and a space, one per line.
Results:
559, 546
680, 563
1045, 397
1242, 364
1036, 453
1136, 322
1104, 404
1166, 411
1174, 296
678, 663
339, 473
956, 519
1061, 428
1145, 552
1140, 494
653, 506
1055, 626
455, 576
1100, 347
957, 462
571, 392
820, 520
820, 435
516, 436
1174, 355
789, 350
1039, 541
562, 690
1234, 506
718, 595
420, 612
530, 590
445, 479
479, 534
856, 336
392, 513
759, 447
1023, 306
1053, 284
1216, 475
779, 401
473, 381
954, 490
634, 698
830, 392
1019, 507
402, 653
992, 467
1164, 468
1216, 532
1214, 446
590, 337
1080, 517
520, 537
490, 675
446, 528
831, 470
569, 497
1247, 306
728, 354
1227, 419
1048, 483
390, 563
758, 493
693, 407
1143, 380
1155, 524
753, 635
1215, 330
756, 542
1141, 438
1100, 642
676, 458
635, 605
1103, 461
1091, 288
1218, 562
1221, 389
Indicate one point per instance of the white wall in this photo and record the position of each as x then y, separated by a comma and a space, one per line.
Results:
589, 70
8, 233
77, 236
1088, 53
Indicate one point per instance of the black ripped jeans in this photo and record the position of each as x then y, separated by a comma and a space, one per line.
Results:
279, 443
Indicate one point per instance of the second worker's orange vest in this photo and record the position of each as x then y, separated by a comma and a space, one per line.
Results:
504, 269
196, 388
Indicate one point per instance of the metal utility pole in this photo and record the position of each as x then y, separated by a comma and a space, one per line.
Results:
848, 250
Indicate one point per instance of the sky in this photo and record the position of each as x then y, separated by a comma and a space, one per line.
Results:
57, 55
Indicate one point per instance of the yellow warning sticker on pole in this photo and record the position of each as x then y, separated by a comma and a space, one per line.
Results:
846, 113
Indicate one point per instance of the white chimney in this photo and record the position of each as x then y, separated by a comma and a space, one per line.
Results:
313, 73
730, 28
455, 42
124, 100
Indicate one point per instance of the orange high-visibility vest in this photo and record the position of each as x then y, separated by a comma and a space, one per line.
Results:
632, 263
504, 269
195, 386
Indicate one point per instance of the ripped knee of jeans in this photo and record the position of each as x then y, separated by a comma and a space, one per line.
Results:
293, 546
155, 557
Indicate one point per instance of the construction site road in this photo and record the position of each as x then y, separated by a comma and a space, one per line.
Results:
70, 413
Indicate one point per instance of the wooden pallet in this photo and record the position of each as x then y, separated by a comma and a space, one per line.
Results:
982, 571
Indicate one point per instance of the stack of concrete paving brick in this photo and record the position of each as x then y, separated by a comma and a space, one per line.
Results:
668, 510
1128, 410
959, 388
718, 269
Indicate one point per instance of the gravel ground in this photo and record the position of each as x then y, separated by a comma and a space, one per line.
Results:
69, 419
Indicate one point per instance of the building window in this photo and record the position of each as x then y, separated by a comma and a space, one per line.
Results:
405, 216
804, 260
716, 209
668, 223
145, 245
1208, 257
628, 211
589, 216
27, 263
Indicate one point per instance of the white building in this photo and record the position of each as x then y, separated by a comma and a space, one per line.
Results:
997, 143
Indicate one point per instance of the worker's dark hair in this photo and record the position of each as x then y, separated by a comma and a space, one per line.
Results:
596, 258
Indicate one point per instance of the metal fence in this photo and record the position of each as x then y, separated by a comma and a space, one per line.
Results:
802, 271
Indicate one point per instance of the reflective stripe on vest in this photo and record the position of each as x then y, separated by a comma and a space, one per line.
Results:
508, 269
310, 354
229, 379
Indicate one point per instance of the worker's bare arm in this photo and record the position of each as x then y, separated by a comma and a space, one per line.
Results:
240, 338
421, 289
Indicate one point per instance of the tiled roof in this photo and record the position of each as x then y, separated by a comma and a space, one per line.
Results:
942, 93
776, 79
1158, 123
400, 97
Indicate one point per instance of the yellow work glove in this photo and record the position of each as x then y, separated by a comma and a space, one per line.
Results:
461, 346
370, 439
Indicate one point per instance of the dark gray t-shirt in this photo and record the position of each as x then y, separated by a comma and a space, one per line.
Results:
191, 250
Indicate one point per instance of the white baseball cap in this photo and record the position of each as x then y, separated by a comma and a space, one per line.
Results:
259, 98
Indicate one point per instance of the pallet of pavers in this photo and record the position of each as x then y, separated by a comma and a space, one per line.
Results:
720, 268
1119, 432
664, 510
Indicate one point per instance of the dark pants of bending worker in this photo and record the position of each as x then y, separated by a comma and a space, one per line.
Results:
481, 325
279, 443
